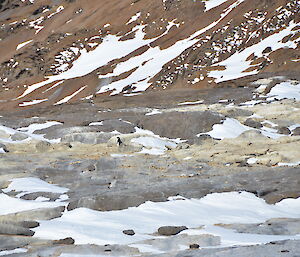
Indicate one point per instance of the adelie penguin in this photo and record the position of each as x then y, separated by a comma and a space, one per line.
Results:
119, 141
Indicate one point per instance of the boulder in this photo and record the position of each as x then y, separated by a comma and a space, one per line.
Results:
283, 130
296, 132
18, 136
253, 124
129, 232
184, 125
65, 241
171, 230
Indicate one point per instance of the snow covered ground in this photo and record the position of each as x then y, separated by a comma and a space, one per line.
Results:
28, 131
12, 205
285, 90
87, 226
32, 185
232, 128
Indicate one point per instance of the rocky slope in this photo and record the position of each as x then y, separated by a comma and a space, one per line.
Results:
63, 51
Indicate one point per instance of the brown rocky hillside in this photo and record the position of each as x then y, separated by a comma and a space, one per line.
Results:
54, 52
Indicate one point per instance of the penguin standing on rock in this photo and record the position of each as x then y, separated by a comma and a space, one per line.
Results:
119, 141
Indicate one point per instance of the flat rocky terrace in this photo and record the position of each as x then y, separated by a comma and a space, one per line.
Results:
73, 164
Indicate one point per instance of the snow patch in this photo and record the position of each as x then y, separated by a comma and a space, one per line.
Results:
231, 128
210, 4
33, 102
94, 227
13, 205
134, 18
191, 103
285, 90
23, 44
68, 98
14, 251
29, 131
97, 123
32, 185
153, 112
289, 164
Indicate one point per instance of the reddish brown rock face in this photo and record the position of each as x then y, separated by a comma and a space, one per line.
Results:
93, 48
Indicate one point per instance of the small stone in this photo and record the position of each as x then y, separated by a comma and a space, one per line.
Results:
194, 246
129, 232
65, 241
171, 230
